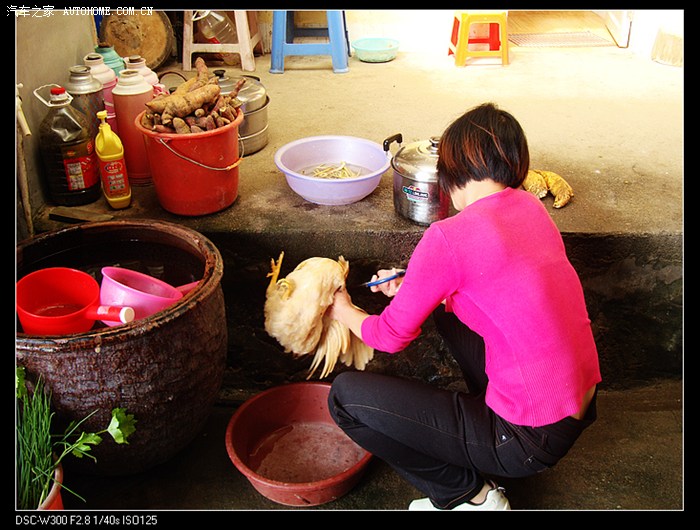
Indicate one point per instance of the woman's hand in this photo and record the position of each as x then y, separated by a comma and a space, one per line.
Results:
341, 304
389, 288
345, 312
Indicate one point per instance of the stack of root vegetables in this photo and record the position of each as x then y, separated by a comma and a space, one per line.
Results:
197, 105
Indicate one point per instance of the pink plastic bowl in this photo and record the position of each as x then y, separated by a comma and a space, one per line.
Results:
145, 294
297, 160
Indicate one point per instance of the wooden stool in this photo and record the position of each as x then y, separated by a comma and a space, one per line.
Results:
497, 39
284, 32
245, 46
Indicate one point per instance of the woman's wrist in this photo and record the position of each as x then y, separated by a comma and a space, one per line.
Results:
352, 317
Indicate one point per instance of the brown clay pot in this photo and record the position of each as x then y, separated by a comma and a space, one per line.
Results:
165, 369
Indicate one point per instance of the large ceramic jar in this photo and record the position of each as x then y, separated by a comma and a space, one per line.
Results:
165, 369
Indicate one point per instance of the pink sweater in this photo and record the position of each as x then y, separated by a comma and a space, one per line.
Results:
501, 266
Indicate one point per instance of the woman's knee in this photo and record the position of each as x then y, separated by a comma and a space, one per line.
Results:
340, 387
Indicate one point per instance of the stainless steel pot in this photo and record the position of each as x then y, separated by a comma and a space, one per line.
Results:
252, 94
254, 120
252, 132
417, 195
252, 143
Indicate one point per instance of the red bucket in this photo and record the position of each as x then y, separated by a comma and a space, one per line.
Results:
197, 173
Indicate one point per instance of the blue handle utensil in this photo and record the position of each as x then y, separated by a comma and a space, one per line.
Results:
398, 274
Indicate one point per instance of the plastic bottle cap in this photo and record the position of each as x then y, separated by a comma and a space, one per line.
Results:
126, 315
59, 96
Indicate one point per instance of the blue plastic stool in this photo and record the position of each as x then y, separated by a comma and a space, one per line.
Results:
284, 32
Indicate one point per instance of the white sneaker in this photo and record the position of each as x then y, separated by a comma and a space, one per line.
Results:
495, 500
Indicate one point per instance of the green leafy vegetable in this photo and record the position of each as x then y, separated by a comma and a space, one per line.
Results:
39, 452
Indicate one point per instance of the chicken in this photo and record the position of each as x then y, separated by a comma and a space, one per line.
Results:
295, 314
540, 182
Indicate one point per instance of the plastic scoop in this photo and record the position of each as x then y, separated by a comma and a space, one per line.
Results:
62, 301
144, 293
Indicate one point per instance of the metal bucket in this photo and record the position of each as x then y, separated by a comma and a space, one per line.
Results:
165, 369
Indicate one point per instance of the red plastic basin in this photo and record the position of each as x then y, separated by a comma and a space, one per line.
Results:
286, 444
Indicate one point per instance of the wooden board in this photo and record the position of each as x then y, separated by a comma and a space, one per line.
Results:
557, 21
150, 36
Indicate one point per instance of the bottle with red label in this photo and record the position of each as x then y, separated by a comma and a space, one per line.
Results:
68, 152
110, 151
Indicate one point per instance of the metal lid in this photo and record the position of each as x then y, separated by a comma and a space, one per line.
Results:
81, 81
418, 160
252, 94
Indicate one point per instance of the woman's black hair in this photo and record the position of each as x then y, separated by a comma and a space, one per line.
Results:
485, 142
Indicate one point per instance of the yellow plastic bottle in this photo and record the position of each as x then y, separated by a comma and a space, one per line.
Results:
110, 151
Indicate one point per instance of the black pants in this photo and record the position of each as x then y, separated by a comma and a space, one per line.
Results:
445, 442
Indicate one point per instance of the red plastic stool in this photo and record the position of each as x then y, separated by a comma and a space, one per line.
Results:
497, 38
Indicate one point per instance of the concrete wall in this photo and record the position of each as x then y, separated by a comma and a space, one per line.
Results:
633, 287
46, 47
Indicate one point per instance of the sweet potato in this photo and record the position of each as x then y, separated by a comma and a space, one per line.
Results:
184, 88
196, 105
180, 126
202, 74
182, 105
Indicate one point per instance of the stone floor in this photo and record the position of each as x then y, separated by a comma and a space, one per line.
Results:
631, 458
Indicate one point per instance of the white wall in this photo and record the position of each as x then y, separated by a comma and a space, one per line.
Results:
416, 30
646, 24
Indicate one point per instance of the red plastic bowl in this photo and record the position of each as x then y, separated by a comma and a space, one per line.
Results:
287, 445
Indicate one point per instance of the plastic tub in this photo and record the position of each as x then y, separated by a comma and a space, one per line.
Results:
376, 49
297, 160
287, 445
194, 174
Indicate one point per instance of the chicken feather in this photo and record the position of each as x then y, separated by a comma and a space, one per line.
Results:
295, 308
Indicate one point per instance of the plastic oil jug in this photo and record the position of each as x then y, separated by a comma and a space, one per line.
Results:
217, 28
67, 151
110, 151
